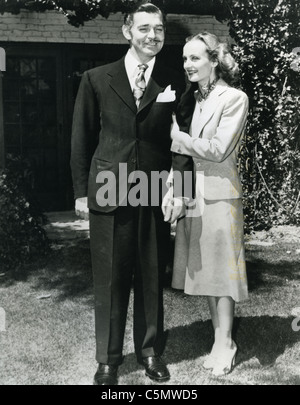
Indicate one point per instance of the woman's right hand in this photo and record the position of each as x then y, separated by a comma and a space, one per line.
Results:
172, 208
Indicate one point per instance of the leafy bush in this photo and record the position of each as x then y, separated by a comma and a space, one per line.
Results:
266, 33
21, 232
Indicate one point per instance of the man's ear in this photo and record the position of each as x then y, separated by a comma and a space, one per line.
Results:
126, 32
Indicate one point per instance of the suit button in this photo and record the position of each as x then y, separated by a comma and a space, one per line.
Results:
198, 164
133, 161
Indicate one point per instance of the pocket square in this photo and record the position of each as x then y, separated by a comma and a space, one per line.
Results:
168, 96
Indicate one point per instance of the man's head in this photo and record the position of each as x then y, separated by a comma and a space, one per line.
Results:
144, 28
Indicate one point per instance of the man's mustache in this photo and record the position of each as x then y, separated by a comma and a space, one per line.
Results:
155, 41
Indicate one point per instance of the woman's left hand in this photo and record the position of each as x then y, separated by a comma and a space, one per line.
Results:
175, 127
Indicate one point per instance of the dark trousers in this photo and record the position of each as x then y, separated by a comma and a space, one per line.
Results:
128, 247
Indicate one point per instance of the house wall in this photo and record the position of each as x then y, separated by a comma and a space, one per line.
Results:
52, 27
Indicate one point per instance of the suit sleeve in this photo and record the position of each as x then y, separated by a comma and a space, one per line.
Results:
182, 165
85, 131
228, 133
183, 175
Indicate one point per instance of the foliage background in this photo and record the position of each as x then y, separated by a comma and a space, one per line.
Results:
265, 34
22, 235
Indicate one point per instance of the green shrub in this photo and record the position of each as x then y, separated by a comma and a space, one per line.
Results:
21, 233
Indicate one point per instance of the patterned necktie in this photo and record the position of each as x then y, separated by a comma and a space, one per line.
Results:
140, 84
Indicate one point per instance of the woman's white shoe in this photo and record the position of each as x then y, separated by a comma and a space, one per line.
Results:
225, 362
211, 359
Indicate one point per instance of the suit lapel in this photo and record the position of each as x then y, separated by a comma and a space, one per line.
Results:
210, 105
158, 83
120, 84
152, 91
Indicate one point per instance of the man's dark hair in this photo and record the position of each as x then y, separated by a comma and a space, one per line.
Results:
140, 8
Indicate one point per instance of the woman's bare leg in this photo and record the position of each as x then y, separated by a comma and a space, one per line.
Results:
212, 303
225, 311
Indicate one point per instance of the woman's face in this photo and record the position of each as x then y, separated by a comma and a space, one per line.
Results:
197, 64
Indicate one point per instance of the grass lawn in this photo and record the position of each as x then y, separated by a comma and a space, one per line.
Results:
49, 338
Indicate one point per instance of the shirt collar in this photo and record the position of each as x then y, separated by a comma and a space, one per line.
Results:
131, 65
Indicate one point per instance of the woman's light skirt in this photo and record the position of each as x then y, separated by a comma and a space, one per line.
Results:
209, 255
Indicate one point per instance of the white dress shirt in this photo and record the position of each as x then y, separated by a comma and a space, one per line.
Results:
132, 68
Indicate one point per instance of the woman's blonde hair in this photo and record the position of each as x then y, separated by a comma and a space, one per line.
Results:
227, 68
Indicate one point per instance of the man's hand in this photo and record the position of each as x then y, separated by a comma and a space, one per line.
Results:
173, 208
81, 208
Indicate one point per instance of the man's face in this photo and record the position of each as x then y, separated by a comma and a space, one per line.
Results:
146, 36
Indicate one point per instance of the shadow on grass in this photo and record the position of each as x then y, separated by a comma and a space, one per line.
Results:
264, 338
71, 272
261, 273
279, 255
66, 269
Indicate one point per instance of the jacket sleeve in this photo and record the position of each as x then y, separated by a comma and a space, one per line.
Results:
224, 141
85, 132
183, 179
183, 165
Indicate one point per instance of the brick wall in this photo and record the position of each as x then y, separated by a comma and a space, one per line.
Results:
52, 27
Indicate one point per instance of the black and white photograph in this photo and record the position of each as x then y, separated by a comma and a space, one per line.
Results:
149, 195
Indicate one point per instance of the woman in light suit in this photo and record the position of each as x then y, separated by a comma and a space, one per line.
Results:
209, 248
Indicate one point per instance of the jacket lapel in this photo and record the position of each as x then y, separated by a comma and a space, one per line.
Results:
158, 83
210, 105
120, 84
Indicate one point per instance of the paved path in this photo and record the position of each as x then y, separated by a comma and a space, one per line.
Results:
66, 226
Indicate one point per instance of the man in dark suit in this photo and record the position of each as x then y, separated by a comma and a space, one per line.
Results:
122, 121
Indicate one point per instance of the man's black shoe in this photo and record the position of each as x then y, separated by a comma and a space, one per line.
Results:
156, 368
106, 375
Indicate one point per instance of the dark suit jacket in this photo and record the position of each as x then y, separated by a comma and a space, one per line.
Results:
108, 130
